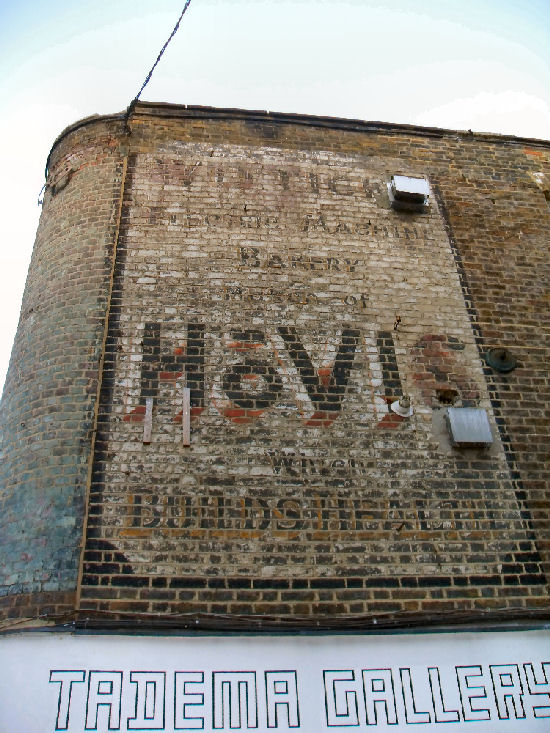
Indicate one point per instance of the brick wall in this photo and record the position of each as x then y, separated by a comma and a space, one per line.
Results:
259, 264
46, 414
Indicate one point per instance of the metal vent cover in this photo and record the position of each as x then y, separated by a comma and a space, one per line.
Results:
469, 427
409, 194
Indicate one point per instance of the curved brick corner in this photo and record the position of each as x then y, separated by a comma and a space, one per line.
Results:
46, 413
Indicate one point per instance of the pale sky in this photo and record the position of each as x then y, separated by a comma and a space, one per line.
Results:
461, 64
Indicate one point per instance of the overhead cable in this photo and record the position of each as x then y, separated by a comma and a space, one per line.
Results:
150, 74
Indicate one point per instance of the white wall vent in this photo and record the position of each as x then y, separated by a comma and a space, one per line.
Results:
409, 194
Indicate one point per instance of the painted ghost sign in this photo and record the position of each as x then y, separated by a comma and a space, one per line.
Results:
282, 291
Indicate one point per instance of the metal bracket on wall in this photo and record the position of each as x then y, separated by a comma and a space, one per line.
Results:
186, 417
148, 421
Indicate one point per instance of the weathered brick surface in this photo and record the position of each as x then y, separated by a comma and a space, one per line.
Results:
259, 264
46, 414
47, 606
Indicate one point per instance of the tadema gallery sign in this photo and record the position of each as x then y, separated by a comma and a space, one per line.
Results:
487, 682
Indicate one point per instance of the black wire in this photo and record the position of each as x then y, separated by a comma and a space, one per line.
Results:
41, 200
150, 74
135, 99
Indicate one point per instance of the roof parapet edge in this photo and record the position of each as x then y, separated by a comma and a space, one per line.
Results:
171, 110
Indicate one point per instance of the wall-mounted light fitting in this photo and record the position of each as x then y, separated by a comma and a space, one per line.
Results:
402, 406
